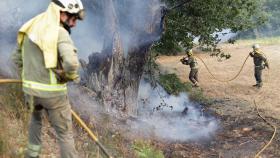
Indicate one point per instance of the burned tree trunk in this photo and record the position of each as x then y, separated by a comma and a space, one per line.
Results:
115, 73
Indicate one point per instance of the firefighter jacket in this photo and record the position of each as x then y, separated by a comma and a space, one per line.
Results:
191, 61
259, 59
41, 81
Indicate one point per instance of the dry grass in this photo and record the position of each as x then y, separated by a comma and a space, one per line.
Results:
241, 88
14, 121
262, 41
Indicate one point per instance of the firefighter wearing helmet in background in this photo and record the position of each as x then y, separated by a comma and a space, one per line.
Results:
192, 62
260, 63
47, 59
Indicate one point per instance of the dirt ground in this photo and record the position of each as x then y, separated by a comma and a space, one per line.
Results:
243, 132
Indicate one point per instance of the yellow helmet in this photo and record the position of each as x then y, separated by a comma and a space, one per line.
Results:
189, 52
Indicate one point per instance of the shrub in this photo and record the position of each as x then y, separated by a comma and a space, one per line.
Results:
172, 84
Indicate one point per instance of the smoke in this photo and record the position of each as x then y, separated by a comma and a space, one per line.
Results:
225, 35
166, 124
132, 16
185, 122
13, 14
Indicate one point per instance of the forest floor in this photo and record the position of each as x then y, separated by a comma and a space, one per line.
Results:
243, 132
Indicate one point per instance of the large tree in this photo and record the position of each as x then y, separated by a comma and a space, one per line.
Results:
129, 28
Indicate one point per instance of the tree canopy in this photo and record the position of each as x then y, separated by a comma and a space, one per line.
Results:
203, 18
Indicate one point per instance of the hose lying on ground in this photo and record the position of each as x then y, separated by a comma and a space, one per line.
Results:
271, 125
77, 118
233, 78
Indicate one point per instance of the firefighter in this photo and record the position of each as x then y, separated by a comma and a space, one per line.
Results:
192, 62
260, 62
47, 60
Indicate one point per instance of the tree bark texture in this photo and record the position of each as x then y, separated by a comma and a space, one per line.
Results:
115, 72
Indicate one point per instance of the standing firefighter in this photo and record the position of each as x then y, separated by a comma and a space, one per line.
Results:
192, 62
260, 62
47, 59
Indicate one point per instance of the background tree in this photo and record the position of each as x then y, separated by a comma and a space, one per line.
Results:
203, 18
271, 27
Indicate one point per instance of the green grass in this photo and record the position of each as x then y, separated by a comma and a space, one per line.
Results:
262, 41
146, 150
172, 84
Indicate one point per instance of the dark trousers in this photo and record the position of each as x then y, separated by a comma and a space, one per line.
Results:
193, 76
258, 74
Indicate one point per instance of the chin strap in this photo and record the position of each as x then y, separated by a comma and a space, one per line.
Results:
66, 26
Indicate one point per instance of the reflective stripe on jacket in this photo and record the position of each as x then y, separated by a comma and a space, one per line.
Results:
37, 79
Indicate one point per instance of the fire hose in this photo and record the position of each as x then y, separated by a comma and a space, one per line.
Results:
231, 79
256, 106
77, 118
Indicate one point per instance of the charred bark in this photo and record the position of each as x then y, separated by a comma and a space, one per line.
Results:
115, 73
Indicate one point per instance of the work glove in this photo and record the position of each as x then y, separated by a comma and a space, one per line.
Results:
184, 60
251, 54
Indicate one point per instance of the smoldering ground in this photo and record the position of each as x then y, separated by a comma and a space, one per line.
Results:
181, 120
165, 124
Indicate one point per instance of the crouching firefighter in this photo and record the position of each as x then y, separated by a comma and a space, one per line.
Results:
260, 62
192, 62
47, 60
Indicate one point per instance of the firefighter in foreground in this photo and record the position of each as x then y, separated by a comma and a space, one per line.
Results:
192, 62
47, 59
260, 62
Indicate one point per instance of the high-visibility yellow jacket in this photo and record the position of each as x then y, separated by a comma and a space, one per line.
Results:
41, 81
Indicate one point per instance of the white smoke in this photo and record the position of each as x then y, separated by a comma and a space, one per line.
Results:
171, 124
165, 124
225, 35
13, 14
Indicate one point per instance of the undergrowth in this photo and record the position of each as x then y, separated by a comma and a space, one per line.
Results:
14, 119
145, 149
173, 85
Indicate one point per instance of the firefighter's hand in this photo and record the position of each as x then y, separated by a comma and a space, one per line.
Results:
60, 74
251, 54
183, 59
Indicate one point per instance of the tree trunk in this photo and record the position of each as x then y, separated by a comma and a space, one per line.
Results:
115, 73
